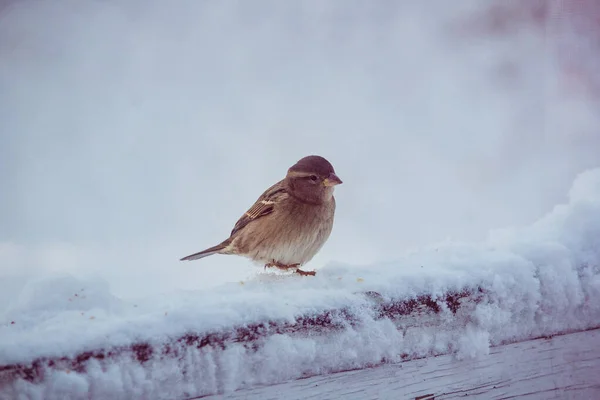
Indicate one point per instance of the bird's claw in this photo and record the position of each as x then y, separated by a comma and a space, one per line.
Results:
286, 267
272, 264
305, 273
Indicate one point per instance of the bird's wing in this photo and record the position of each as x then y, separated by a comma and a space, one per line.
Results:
265, 205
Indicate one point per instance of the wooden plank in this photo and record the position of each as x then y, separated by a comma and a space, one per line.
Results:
561, 367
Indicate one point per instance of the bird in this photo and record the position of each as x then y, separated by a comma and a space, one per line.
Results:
289, 223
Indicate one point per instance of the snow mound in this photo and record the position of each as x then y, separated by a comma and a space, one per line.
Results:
63, 338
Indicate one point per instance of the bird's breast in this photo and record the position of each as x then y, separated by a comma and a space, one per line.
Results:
292, 235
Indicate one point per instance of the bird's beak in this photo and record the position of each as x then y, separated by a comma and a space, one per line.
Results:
332, 180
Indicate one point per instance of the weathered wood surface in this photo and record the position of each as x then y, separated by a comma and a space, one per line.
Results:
561, 367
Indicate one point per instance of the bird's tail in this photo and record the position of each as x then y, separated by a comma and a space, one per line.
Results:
208, 252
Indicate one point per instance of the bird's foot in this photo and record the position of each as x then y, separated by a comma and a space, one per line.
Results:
305, 273
286, 267
271, 265
280, 265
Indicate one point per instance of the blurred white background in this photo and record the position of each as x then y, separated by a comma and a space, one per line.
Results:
137, 132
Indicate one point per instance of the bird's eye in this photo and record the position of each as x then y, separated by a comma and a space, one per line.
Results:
313, 178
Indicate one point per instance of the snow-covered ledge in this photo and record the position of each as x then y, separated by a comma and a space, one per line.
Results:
457, 299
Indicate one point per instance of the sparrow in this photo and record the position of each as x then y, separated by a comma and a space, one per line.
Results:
289, 223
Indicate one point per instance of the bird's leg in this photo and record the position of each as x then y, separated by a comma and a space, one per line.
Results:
301, 272
279, 265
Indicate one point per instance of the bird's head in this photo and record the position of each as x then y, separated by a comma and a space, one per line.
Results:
312, 179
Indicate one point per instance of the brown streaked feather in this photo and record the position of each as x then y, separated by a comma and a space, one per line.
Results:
265, 205
260, 208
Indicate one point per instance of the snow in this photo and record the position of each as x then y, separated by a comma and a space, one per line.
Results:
540, 280
563, 367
